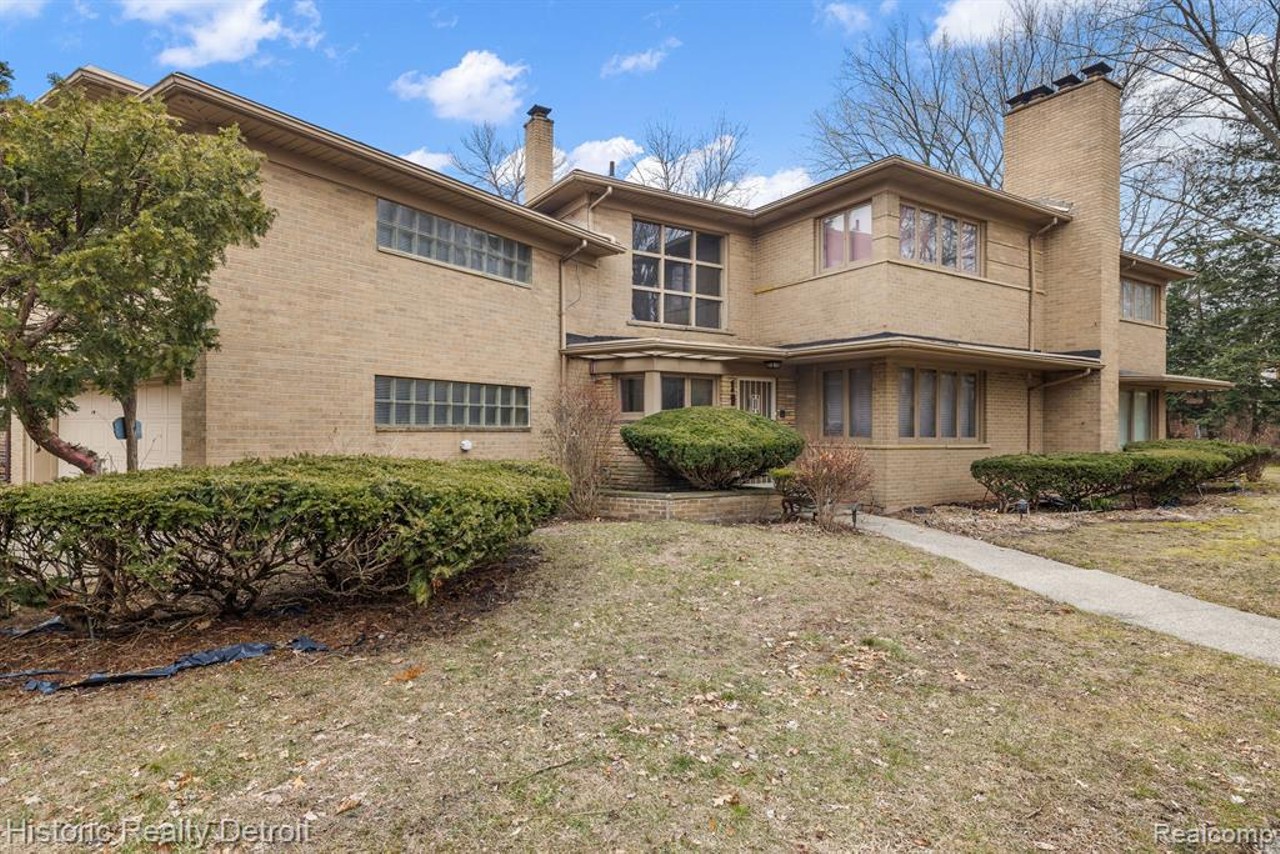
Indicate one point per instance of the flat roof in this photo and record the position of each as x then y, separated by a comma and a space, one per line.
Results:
1174, 382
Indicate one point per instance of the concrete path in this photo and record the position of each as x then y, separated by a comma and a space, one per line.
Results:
1184, 617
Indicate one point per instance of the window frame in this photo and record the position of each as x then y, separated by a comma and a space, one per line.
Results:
1157, 301
848, 424
435, 394
940, 216
938, 371
621, 379
1153, 415
845, 213
688, 379
479, 243
662, 292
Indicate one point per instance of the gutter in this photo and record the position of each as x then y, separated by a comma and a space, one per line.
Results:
608, 191
1031, 282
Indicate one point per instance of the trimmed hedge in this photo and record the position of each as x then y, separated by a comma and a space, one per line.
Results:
1247, 460
1160, 471
123, 547
712, 447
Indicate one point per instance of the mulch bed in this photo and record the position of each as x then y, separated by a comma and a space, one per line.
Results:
352, 628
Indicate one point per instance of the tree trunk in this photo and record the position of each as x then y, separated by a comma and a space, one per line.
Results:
37, 425
129, 403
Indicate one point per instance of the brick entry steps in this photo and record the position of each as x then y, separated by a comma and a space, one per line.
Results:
754, 504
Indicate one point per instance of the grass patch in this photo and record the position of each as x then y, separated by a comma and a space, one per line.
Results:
673, 685
1231, 558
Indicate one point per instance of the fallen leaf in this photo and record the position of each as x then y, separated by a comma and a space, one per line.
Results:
960, 676
347, 805
727, 800
408, 674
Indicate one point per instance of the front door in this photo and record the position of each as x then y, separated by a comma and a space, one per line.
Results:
756, 397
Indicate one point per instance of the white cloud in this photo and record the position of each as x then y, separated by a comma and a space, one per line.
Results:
442, 20
888, 7
973, 20
595, 155
480, 88
757, 190
639, 63
21, 8
431, 159
850, 17
224, 30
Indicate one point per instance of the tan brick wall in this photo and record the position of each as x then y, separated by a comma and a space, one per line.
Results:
309, 317
1081, 275
738, 506
1143, 347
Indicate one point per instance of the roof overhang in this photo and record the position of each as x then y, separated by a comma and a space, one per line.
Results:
99, 82
1153, 269
1174, 382
198, 101
890, 171
878, 346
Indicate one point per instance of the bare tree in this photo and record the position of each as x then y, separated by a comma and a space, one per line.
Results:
711, 164
491, 162
1225, 54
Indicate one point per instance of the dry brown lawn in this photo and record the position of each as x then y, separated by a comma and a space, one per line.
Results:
1223, 549
671, 686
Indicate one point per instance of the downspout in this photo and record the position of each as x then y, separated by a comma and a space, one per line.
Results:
608, 191
1087, 372
1031, 307
564, 360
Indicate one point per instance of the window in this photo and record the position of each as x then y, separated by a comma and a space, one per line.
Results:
937, 238
679, 392
1139, 301
677, 276
846, 402
402, 402
1137, 415
631, 392
414, 232
935, 404
846, 237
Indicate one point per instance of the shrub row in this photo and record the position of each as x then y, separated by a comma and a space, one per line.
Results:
123, 547
712, 447
1159, 471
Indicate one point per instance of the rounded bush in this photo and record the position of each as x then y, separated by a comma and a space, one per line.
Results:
1074, 478
122, 547
712, 447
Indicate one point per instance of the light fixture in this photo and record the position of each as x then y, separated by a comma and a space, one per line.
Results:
773, 364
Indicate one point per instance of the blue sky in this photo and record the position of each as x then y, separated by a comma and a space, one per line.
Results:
411, 77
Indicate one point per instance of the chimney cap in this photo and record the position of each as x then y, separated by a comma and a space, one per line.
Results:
538, 111
1067, 81
1098, 69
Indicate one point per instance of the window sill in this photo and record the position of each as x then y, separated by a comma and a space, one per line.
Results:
466, 271
392, 428
650, 325
1147, 323
931, 445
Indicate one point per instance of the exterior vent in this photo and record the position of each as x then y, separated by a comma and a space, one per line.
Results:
1068, 81
1098, 69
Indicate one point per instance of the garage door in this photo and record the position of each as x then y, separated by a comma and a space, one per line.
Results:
159, 410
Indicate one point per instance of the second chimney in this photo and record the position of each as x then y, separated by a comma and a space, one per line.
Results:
539, 147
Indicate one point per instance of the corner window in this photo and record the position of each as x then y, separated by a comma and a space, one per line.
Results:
414, 232
846, 237
404, 402
631, 394
932, 237
677, 276
679, 392
935, 404
1139, 301
846, 402
1137, 415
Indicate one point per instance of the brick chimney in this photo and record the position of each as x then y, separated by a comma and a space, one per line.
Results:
1063, 145
539, 145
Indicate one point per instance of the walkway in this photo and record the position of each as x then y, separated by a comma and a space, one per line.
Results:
1184, 617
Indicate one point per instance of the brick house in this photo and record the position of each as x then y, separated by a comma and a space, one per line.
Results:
930, 319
